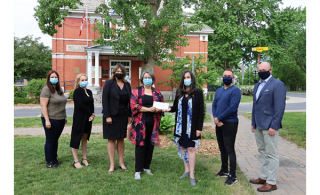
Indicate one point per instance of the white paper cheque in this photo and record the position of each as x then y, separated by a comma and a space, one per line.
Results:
161, 105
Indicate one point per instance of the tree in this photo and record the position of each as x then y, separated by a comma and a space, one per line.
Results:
238, 26
153, 28
287, 46
179, 65
31, 58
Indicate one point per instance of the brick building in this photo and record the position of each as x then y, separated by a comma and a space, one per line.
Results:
73, 54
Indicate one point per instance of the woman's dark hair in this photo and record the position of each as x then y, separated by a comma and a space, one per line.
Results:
49, 84
182, 88
123, 70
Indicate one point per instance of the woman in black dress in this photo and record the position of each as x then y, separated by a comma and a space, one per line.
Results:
188, 106
83, 116
116, 113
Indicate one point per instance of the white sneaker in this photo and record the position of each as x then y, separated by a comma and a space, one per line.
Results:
148, 171
137, 176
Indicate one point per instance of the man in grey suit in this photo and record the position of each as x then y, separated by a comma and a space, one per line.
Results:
269, 100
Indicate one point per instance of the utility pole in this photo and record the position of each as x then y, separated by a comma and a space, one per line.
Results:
259, 50
192, 64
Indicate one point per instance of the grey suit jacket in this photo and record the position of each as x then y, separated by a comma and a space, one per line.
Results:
268, 108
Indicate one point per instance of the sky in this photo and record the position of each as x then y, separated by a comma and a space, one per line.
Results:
25, 24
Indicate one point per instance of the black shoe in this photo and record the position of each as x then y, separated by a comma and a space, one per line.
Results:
222, 174
57, 162
52, 165
231, 180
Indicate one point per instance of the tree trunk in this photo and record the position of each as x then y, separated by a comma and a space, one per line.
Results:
148, 65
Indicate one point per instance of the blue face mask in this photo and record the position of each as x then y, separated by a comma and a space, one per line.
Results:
227, 80
54, 81
187, 82
84, 84
264, 74
147, 82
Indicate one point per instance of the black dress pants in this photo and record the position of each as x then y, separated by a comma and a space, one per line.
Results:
144, 153
226, 137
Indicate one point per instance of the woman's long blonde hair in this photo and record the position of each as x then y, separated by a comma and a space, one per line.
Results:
76, 85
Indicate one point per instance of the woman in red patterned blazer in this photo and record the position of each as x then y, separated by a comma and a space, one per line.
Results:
144, 130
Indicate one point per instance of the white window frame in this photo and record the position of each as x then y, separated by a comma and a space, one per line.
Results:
110, 26
129, 79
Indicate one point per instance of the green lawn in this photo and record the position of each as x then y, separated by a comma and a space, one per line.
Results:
207, 119
244, 98
36, 122
294, 127
297, 91
32, 177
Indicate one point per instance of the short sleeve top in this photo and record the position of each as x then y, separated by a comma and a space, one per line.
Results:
56, 105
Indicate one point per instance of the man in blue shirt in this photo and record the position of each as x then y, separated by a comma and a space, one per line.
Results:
269, 101
225, 112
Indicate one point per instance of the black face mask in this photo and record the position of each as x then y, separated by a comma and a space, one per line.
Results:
264, 74
119, 75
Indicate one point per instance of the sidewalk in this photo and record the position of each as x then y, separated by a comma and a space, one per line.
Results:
292, 170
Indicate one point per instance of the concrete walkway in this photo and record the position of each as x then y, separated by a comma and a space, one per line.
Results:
292, 171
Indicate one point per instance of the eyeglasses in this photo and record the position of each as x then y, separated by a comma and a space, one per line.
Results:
147, 77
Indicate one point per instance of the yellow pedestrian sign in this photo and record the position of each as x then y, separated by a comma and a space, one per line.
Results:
259, 49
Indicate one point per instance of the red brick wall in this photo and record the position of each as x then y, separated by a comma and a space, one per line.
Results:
66, 67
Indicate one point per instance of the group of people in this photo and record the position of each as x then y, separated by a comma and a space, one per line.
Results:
123, 107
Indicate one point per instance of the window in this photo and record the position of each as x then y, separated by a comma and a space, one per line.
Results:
125, 63
108, 24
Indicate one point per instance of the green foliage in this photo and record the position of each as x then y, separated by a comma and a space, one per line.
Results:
19, 100
246, 90
71, 94
154, 41
34, 88
32, 60
50, 13
238, 25
287, 35
15, 90
22, 94
208, 135
167, 123
179, 65
249, 78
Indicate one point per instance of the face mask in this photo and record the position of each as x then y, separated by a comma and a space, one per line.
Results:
84, 84
119, 75
187, 82
264, 74
147, 82
54, 81
227, 80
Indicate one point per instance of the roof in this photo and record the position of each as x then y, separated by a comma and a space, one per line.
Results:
205, 29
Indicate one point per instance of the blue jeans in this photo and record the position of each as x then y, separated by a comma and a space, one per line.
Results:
226, 137
52, 137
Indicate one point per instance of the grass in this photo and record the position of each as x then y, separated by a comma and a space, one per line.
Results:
207, 118
297, 91
32, 177
244, 98
30, 122
36, 122
293, 127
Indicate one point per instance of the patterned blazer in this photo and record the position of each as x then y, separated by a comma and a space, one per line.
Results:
138, 125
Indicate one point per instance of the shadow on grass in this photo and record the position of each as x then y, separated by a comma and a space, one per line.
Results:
32, 177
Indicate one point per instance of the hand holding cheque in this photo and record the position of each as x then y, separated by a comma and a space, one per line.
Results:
161, 107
